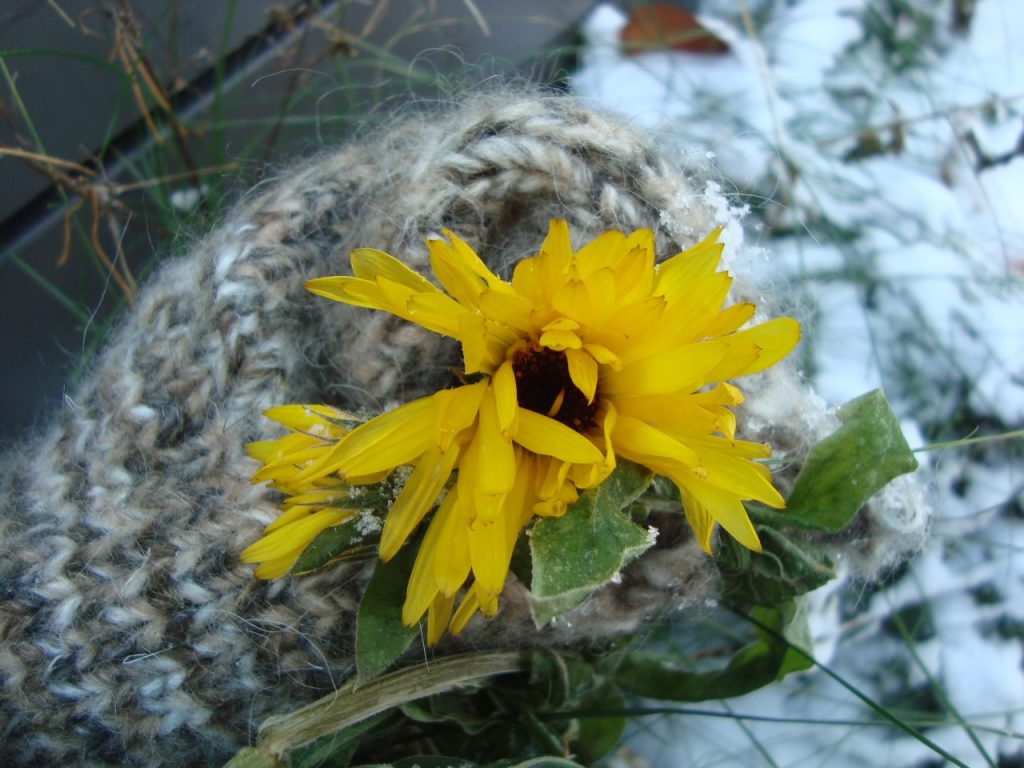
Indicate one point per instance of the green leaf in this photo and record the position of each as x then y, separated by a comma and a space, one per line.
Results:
457, 707
785, 568
521, 565
536, 762
433, 761
334, 750
755, 665
339, 542
380, 635
850, 466
600, 735
560, 680
584, 549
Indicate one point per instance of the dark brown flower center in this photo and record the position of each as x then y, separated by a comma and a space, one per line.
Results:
544, 386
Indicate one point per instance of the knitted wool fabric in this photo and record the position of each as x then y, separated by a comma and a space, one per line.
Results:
131, 633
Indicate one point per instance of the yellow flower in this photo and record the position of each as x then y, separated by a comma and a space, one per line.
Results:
309, 507
584, 357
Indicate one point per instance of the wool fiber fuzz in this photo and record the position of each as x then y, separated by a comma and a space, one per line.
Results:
132, 635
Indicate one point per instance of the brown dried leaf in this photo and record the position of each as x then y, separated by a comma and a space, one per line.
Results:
664, 26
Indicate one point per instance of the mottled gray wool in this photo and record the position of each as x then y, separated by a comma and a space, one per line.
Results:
131, 634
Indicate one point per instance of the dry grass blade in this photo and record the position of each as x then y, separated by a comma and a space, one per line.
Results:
128, 50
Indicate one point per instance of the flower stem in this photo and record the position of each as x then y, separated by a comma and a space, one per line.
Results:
280, 734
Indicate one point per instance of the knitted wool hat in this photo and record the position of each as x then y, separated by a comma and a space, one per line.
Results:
131, 632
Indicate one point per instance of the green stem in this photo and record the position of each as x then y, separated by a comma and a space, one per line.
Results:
937, 689
971, 441
871, 703
25, 116
350, 704
47, 286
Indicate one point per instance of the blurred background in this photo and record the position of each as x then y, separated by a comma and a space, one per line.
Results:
873, 148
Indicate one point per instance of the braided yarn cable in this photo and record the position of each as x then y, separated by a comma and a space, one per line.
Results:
131, 634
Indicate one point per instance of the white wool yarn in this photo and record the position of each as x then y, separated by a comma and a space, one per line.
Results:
132, 635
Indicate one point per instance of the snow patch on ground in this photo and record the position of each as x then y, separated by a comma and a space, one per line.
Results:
887, 212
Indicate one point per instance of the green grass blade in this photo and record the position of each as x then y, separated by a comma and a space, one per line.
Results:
62, 298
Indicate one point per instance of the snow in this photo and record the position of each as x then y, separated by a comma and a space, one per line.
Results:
905, 265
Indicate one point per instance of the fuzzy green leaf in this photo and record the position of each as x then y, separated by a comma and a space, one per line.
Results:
850, 466
339, 542
784, 569
380, 635
584, 549
753, 666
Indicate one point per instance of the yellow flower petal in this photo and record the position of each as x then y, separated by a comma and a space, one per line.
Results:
308, 418
603, 252
280, 549
673, 275
604, 356
555, 257
422, 585
587, 302
488, 603
560, 340
639, 441
634, 275
470, 262
672, 413
490, 553
629, 326
506, 397
771, 341
699, 518
416, 498
672, 371
554, 490
495, 463
583, 372
547, 437
510, 309
727, 511
434, 311
526, 281
308, 503
292, 465
372, 447
439, 613
464, 285
455, 410
369, 264
451, 560
483, 346
262, 450
590, 475
287, 517
467, 609
562, 324
349, 290
742, 478
688, 314
727, 321
743, 449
